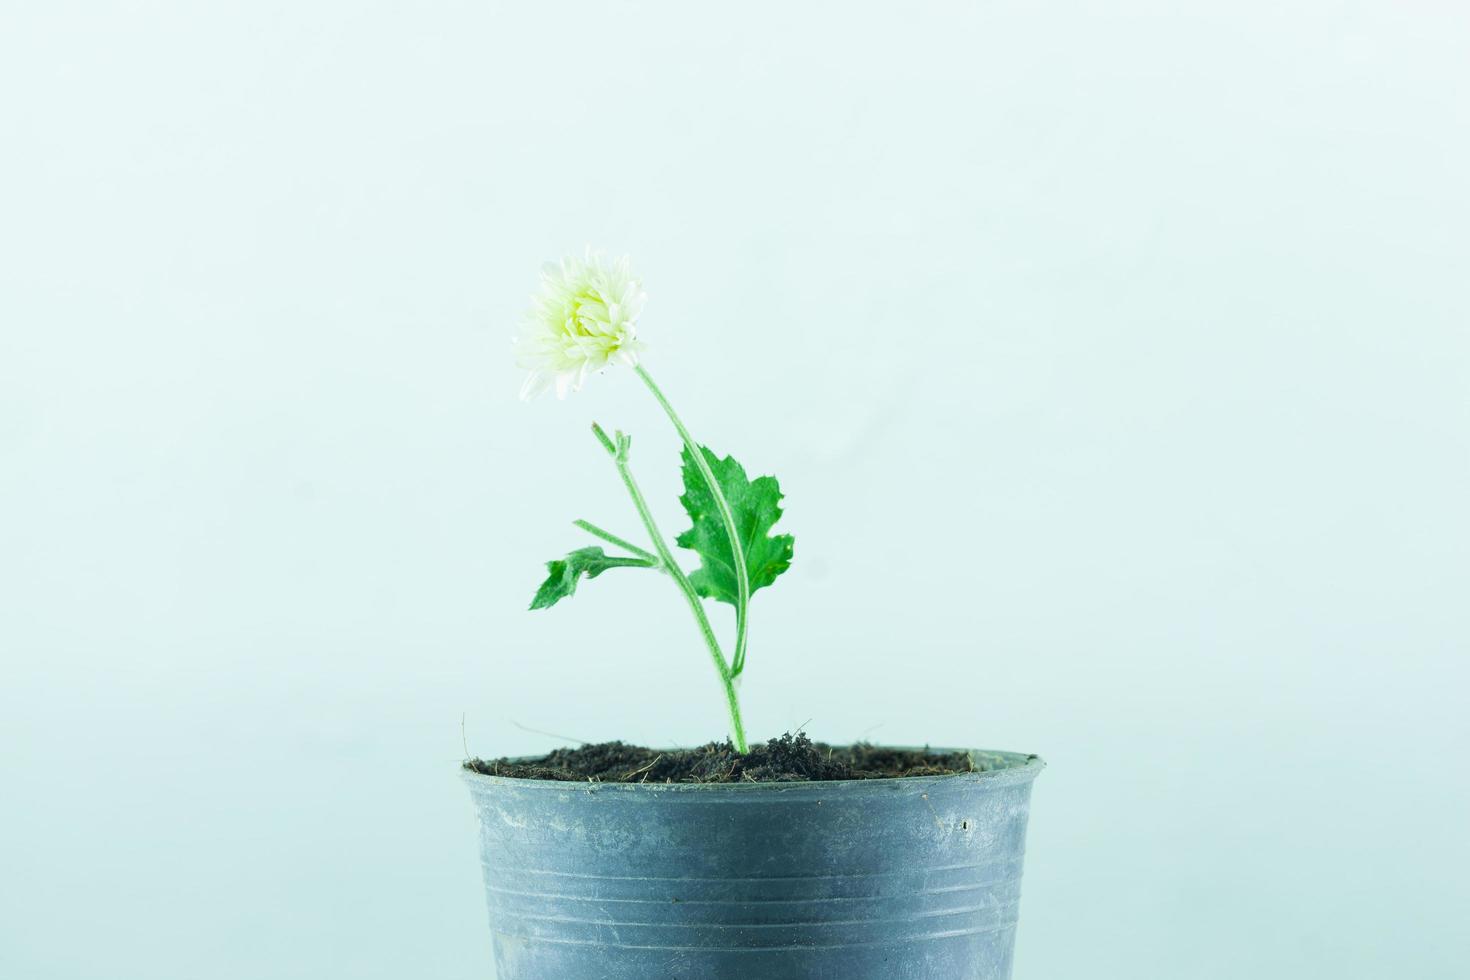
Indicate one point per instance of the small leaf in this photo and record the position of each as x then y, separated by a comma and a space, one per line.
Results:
566, 572
756, 506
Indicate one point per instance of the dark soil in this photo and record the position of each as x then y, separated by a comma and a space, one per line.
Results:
790, 758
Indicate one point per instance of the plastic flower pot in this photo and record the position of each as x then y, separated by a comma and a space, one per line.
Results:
884, 879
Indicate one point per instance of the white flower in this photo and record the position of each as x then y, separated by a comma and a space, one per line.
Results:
583, 320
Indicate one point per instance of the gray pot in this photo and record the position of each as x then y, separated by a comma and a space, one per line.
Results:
882, 879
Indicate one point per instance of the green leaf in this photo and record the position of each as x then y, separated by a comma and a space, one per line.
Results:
566, 572
756, 506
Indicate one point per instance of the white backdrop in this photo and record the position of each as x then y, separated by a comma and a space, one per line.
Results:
1113, 357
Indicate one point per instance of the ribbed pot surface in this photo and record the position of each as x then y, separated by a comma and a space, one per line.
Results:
884, 879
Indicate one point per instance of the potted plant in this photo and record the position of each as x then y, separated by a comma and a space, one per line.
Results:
767, 862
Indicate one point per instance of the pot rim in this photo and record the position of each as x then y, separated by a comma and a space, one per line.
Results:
1020, 767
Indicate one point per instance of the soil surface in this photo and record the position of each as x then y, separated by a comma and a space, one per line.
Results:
790, 758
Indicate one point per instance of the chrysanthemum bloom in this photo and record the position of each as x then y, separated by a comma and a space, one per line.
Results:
584, 319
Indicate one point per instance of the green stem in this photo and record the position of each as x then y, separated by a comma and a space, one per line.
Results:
727, 678
617, 561
737, 551
611, 538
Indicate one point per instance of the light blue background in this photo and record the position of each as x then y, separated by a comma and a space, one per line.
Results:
1113, 356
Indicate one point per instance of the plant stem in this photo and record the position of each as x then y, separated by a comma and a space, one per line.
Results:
696, 606
618, 561
611, 538
737, 551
